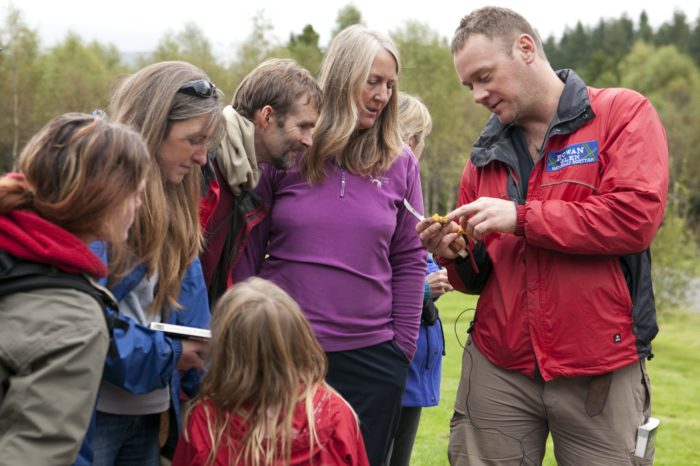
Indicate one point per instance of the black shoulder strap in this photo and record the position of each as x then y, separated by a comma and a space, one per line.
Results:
17, 275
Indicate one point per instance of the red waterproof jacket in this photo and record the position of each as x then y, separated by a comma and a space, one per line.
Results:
226, 222
570, 293
338, 439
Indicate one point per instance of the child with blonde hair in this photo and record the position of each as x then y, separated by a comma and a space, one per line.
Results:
263, 400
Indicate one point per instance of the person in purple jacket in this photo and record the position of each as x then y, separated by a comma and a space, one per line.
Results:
339, 240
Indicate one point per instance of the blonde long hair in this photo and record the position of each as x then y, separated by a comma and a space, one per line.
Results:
76, 172
344, 72
166, 234
264, 359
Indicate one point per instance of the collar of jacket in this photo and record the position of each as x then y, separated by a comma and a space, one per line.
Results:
27, 236
574, 110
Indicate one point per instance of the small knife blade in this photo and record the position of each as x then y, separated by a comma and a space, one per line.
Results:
412, 209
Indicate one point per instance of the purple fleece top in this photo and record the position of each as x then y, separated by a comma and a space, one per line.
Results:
346, 250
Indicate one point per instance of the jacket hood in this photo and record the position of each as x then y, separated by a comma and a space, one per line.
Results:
27, 236
301, 446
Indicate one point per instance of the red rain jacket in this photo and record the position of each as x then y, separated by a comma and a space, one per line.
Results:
339, 441
570, 293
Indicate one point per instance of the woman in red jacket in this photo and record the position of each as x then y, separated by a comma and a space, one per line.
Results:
263, 400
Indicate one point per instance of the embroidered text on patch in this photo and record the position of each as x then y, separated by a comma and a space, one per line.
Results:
576, 154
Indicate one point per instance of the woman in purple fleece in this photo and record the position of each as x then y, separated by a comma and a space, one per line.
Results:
339, 240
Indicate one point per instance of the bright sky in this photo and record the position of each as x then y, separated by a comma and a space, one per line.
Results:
138, 25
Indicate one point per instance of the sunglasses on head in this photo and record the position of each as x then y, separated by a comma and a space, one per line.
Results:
199, 88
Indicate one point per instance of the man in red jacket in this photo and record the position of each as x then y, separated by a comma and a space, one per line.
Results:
563, 194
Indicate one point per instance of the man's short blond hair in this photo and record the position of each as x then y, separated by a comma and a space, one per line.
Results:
496, 23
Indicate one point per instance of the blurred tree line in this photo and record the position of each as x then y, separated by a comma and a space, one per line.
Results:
663, 64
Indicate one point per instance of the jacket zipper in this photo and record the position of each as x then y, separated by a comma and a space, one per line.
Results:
555, 130
550, 131
342, 182
517, 185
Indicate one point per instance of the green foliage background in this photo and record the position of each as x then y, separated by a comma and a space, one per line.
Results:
37, 84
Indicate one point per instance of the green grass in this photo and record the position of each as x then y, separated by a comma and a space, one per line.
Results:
674, 373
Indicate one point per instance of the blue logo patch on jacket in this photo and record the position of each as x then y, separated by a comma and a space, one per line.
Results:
576, 154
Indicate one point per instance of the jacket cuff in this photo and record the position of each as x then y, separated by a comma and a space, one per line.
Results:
442, 261
177, 349
520, 220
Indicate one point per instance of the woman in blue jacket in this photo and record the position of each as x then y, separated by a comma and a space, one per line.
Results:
178, 112
423, 383
134, 346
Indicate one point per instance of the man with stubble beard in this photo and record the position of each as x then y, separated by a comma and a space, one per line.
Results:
270, 119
